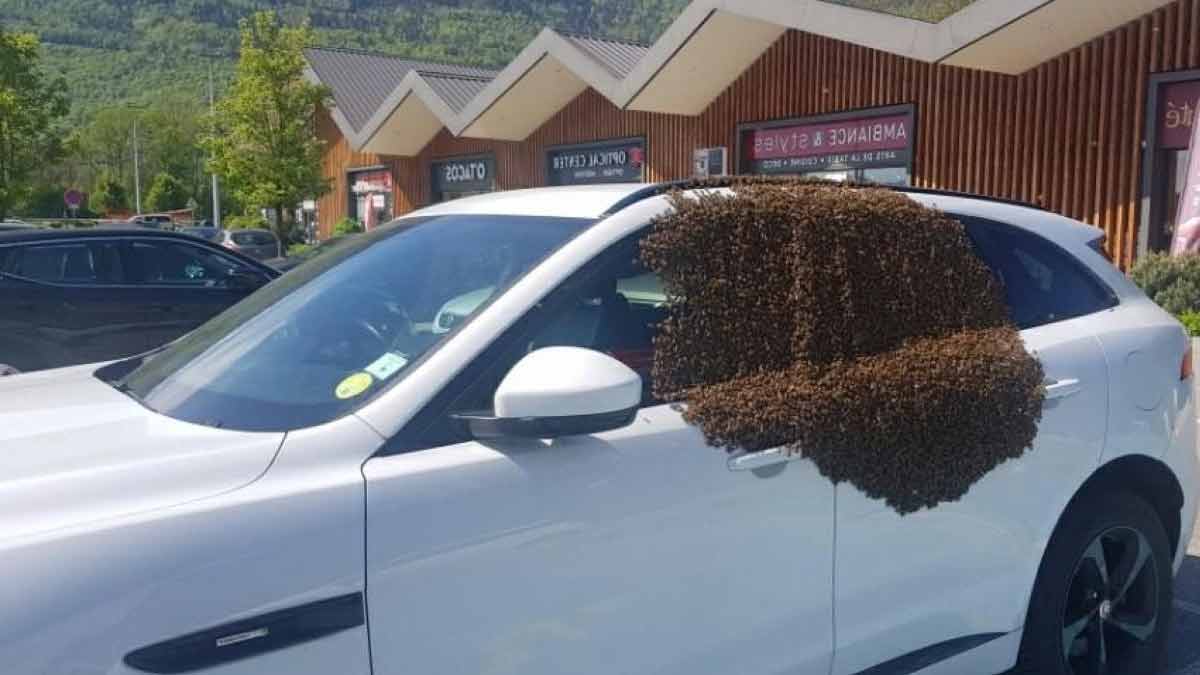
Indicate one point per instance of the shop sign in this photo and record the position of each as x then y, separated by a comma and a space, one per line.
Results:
468, 174
1177, 114
371, 181
865, 142
609, 162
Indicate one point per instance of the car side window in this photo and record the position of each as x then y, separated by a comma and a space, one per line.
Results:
1042, 283
74, 263
171, 263
613, 305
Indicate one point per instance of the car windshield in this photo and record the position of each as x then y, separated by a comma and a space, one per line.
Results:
319, 342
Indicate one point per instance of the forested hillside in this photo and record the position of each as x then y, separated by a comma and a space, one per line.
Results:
143, 50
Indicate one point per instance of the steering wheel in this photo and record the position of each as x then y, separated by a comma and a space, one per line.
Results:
378, 314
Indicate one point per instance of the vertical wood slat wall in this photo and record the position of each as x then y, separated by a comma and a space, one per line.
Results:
1066, 135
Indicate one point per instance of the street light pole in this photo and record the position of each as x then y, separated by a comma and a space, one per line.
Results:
137, 176
216, 185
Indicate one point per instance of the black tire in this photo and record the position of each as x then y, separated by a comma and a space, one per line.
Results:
1064, 608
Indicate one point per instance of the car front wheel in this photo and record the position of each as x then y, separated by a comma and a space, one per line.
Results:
1102, 599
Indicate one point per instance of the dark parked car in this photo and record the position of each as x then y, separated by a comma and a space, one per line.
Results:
259, 244
70, 296
213, 234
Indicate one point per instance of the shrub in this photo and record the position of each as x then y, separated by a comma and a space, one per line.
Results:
853, 326
1191, 321
299, 249
347, 226
108, 195
246, 222
1172, 282
166, 193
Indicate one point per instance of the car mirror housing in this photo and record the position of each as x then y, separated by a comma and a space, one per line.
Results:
560, 391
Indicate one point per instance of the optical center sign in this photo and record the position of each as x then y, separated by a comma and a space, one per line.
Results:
608, 162
854, 143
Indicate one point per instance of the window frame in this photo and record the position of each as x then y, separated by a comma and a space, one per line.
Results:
11, 254
130, 242
412, 436
1086, 273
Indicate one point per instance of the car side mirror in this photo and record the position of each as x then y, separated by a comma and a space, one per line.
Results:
560, 391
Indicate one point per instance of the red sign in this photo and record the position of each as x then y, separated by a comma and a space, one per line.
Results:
1187, 232
1177, 114
73, 198
371, 181
864, 142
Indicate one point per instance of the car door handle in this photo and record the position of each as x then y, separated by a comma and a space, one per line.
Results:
1060, 389
757, 460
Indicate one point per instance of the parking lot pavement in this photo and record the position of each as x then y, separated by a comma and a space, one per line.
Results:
1183, 652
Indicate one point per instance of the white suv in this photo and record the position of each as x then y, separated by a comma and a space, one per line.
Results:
432, 451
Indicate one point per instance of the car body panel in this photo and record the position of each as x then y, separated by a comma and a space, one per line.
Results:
75, 435
96, 590
634, 551
982, 551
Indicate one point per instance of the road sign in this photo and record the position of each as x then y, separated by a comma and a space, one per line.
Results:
73, 198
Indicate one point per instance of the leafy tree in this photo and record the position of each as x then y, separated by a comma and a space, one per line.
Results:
108, 195
30, 104
166, 193
261, 137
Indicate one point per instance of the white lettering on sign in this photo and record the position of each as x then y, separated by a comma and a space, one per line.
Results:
465, 172
591, 160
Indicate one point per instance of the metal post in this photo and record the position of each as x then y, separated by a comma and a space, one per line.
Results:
137, 176
216, 186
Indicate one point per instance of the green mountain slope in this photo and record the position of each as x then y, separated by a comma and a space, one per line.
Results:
140, 51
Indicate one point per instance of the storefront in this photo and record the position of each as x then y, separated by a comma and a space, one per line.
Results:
1173, 105
871, 146
371, 201
1087, 119
616, 161
457, 177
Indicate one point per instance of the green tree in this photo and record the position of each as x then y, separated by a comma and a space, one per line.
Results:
108, 195
166, 193
30, 104
261, 138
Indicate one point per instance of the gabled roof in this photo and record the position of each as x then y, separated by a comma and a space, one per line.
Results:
393, 108
362, 81
617, 56
550, 72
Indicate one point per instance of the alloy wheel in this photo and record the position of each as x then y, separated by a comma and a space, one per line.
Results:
1112, 605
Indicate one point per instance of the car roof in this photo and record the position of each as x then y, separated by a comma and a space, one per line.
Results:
9, 237
576, 201
595, 201
46, 234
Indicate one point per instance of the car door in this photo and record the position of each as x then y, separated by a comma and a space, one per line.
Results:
71, 307
180, 285
638, 550
937, 584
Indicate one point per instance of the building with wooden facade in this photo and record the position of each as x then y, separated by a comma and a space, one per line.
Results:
1084, 107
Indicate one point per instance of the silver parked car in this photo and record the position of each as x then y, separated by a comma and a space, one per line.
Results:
260, 244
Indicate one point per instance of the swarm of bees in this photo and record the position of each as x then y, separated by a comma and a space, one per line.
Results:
851, 325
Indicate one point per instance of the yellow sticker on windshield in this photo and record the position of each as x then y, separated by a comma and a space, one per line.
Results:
353, 386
